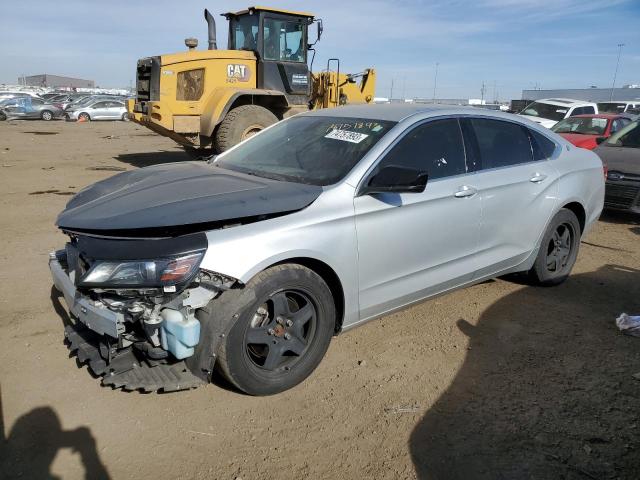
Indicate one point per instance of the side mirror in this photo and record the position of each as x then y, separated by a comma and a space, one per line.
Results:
320, 28
396, 179
600, 140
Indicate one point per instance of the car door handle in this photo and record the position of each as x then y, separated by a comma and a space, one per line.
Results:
538, 177
465, 191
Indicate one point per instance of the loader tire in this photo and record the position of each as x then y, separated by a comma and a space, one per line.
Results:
241, 123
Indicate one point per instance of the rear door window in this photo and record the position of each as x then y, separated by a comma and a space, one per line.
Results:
501, 143
436, 147
583, 111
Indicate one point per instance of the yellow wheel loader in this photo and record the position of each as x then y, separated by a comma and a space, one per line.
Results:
217, 98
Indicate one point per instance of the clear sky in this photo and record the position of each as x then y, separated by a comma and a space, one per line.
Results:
508, 44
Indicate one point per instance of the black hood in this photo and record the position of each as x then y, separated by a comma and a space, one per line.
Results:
620, 159
178, 198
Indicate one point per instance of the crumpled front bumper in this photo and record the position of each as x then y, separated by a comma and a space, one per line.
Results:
97, 328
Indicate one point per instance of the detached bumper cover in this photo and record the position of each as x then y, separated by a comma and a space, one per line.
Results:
128, 370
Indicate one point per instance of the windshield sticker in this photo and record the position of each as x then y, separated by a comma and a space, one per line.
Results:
346, 136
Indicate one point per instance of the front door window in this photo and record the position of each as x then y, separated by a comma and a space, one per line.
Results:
284, 41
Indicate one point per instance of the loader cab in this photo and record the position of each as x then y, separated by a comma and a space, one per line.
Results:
279, 40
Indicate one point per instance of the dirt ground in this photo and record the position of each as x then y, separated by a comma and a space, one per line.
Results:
499, 381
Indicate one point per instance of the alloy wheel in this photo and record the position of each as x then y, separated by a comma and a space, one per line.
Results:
560, 247
281, 330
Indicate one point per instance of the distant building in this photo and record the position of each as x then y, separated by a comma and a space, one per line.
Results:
586, 94
56, 81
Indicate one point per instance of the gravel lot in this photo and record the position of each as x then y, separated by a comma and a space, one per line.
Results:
499, 380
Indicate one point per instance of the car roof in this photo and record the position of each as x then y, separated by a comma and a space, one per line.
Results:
565, 102
626, 102
397, 112
608, 116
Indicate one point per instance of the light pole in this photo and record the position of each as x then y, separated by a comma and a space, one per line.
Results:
435, 83
620, 45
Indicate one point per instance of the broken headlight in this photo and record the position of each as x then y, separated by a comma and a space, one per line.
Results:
142, 273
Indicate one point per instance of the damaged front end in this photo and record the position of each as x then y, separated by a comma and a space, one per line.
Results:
135, 320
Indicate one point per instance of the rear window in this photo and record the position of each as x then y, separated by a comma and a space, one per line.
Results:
583, 111
501, 143
542, 147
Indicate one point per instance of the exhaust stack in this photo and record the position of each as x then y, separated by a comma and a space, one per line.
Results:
212, 30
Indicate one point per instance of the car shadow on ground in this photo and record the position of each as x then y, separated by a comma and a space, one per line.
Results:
546, 390
34, 440
620, 217
146, 159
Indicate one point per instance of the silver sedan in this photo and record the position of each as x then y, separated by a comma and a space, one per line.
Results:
250, 263
99, 110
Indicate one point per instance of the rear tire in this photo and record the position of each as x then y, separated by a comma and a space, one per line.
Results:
558, 250
241, 123
125, 117
46, 115
280, 337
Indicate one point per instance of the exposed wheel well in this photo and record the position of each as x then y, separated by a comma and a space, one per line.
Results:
330, 277
276, 104
579, 212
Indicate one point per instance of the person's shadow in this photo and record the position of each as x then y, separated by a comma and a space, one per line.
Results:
546, 389
34, 440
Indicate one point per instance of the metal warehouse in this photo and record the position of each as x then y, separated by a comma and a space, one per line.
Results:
47, 80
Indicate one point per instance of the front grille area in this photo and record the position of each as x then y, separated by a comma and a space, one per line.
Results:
621, 195
148, 79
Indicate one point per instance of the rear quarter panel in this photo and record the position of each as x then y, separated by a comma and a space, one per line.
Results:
581, 180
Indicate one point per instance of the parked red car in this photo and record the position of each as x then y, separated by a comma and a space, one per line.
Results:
588, 131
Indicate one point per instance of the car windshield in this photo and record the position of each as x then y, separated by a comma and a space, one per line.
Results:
316, 150
584, 126
545, 110
629, 136
611, 107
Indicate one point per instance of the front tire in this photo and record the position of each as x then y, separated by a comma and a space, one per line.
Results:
84, 117
281, 336
558, 250
241, 123
125, 117
46, 115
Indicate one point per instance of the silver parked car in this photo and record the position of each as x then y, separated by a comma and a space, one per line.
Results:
251, 262
99, 110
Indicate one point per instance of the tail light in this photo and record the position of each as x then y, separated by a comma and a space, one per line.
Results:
605, 170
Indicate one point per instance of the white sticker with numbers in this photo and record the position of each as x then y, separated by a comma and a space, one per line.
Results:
346, 136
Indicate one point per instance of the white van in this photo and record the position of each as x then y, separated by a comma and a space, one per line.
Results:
549, 111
